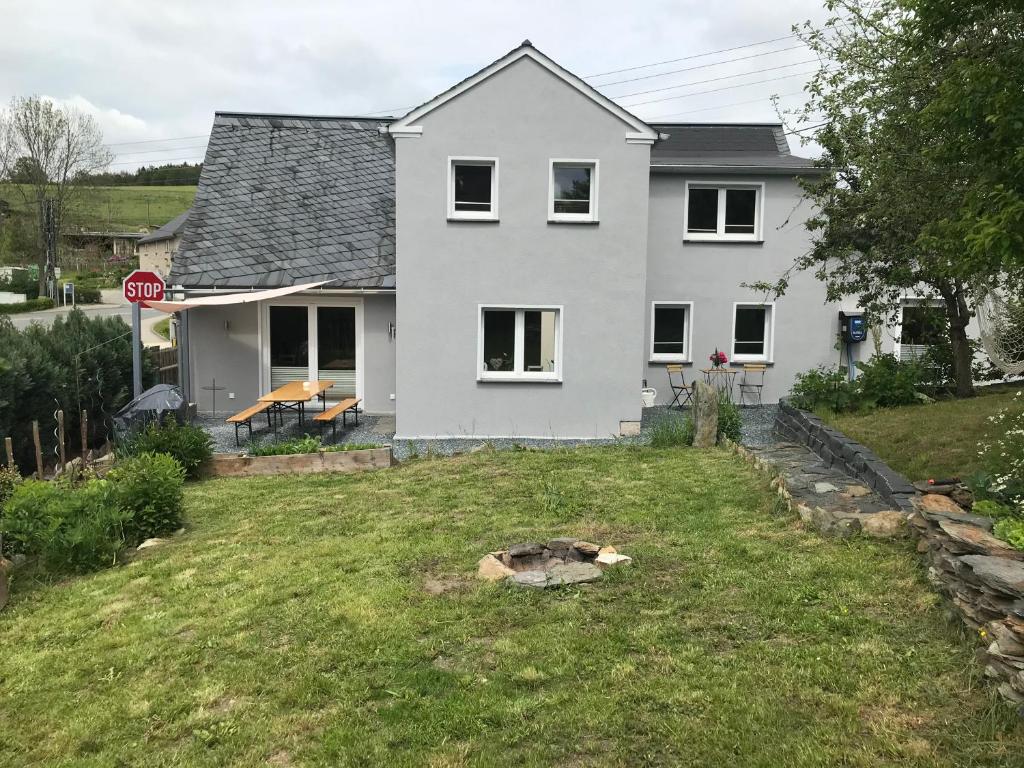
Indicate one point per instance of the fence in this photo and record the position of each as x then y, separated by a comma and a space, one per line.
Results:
166, 363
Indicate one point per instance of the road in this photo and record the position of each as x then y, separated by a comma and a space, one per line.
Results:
124, 311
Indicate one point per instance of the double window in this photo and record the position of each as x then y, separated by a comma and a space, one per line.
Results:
520, 343
671, 331
573, 191
473, 188
718, 211
752, 332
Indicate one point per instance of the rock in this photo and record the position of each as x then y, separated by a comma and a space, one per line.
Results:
824, 488
608, 550
974, 539
5, 593
150, 543
525, 550
573, 573
587, 548
560, 544
705, 415
936, 502
961, 517
923, 486
962, 496
888, 524
1008, 643
492, 569
922, 546
999, 573
530, 579
921, 397
610, 559
856, 491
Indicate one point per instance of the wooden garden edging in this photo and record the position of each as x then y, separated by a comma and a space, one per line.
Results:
234, 465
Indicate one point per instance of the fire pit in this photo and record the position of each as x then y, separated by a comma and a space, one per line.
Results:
559, 562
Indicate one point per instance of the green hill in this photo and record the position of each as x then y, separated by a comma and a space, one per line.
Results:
116, 208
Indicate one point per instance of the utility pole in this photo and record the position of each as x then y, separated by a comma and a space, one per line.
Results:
50, 222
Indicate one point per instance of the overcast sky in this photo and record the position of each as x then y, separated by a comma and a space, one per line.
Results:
158, 70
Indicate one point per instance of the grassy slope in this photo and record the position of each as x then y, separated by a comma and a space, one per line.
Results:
927, 441
119, 208
291, 625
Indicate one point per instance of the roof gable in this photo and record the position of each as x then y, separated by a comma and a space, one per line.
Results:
639, 133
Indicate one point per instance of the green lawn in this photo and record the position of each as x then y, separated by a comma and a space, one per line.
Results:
335, 620
119, 208
938, 440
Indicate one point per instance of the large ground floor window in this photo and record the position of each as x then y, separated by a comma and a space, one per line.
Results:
922, 324
752, 332
520, 343
332, 355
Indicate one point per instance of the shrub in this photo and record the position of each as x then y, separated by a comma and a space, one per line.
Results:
1002, 456
87, 295
68, 528
32, 305
304, 444
887, 381
729, 420
672, 432
1010, 530
9, 478
148, 488
187, 443
991, 508
824, 387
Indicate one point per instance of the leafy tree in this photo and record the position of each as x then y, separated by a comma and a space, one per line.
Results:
906, 170
47, 148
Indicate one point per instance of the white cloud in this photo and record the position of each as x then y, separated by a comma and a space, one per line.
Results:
154, 70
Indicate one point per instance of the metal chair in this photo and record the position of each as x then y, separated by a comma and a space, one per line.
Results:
752, 383
680, 388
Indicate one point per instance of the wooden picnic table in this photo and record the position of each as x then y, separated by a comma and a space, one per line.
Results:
295, 394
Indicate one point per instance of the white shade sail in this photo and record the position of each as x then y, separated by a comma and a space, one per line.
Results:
223, 299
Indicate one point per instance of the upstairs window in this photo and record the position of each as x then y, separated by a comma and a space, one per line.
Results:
752, 332
473, 188
573, 195
670, 331
717, 211
520, 344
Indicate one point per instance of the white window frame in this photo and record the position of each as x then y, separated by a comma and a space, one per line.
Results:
518, 374
769, 331
662, 357
721, 235
595, 174
454, 215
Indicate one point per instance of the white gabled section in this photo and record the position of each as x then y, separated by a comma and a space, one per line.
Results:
641, 133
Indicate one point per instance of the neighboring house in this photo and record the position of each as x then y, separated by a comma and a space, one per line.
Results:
156, 250
513, 258
116, 247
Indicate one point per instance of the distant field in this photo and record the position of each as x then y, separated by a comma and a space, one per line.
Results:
119, 208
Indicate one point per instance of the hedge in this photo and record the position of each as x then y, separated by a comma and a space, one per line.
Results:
32, 305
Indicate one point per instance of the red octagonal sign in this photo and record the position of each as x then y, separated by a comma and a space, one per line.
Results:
142, 285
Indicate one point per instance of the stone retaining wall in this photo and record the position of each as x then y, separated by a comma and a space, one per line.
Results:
234, 465
837, 450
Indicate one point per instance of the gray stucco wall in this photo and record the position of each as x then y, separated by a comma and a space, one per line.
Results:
710, 274
229, 354
525, 117
378, 354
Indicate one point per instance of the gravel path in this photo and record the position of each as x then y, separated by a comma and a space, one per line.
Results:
379, 429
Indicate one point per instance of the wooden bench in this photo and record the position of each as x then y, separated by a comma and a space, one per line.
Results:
343, 408
245, 417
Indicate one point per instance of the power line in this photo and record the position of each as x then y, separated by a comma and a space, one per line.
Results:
700, 66
688, 58
150, 141
155, 151
713, 79
165, 161
724, 106
724, 88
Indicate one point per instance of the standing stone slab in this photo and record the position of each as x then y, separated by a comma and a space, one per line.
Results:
705, 416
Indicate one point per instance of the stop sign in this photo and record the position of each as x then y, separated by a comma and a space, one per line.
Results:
142, 285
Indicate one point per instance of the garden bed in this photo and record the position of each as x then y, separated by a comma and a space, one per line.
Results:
242, 465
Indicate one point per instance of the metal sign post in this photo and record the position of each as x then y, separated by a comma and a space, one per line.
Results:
140, 286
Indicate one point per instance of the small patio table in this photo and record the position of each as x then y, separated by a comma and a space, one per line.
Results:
294, 395
721, 379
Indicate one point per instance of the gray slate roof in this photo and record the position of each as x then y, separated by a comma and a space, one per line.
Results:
725, 145
285, 199
172, 228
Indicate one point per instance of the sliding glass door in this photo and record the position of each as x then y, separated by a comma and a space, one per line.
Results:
309, 342
289, 345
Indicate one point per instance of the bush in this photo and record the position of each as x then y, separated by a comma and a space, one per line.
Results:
9, 478
729, 420
187, 443
148, 488
1000, 487
824, 387
87, 295
304, 444
32, 305
68, 528
886, 381
1010, 530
